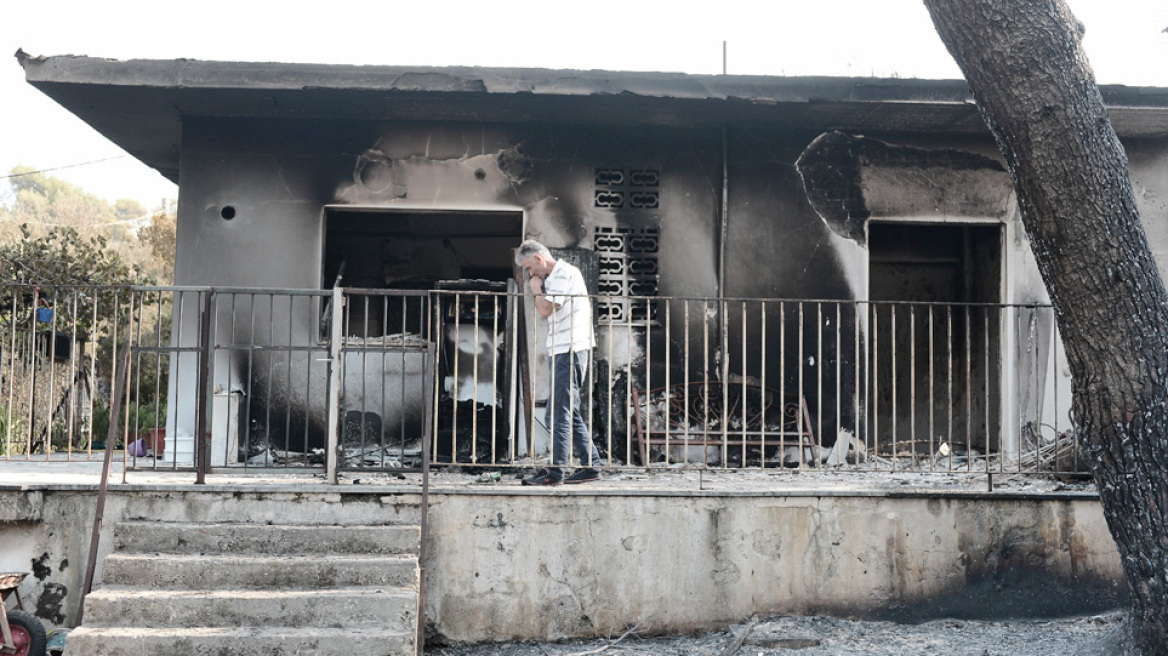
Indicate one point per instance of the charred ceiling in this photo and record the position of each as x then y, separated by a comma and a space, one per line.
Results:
850, 179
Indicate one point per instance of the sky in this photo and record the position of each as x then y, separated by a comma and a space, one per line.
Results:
1125, 42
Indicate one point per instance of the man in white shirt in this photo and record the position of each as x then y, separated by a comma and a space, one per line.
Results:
561, 297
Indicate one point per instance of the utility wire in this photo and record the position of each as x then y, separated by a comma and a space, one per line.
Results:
137, 219
58, 168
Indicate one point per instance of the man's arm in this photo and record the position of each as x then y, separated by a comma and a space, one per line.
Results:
542, 305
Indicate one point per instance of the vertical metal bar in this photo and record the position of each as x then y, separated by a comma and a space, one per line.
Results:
986, 382
932, 388
875, 398
649, 376
762, 392
435, 336
158, 370
474, 391
73, 373
334, 392
968, 391
818, 383
533, 353
783, 384
838, 379
512, 337
454, 386
705, 377
949, 380
608, 396
668, 401
92, 375
629, 385
126, 422
912, 380
685, 386
893, 365
1055, 374
856, 364
136, 326
51, 344
802, 392
1034, 377
244, 425
405, 311
202, 435
430, 370
99, 511
495, 379
745, 416
32, 369
12, 381
308, 360
724, 375
287, 373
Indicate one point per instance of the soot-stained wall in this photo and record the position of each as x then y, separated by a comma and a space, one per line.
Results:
649, 202
255, 195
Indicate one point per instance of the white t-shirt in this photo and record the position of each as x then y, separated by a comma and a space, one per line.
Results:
571, 321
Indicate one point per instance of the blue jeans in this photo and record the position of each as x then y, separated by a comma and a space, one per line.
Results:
569, 375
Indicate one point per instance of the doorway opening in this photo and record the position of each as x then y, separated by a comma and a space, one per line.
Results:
935, 339
467, 259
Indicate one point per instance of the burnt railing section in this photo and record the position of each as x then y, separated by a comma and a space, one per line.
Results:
236, 379
386, 354
269, 374
764, 383
58, 361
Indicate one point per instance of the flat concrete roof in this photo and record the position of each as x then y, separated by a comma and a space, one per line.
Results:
139, 104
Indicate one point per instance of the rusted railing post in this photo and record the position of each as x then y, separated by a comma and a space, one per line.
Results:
332, 453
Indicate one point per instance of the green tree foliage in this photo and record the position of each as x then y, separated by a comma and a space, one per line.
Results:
53, 232
160, 236
68, 260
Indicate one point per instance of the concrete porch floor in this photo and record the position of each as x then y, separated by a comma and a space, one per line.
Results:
76, 474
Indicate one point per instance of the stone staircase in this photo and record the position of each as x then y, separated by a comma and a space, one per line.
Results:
220, 589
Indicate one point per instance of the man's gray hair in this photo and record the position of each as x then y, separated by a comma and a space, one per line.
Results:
531, 247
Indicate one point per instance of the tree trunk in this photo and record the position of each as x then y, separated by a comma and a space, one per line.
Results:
1027, 70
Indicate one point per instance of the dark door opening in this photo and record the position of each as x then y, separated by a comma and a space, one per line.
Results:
934, 340
458, 254
415, 250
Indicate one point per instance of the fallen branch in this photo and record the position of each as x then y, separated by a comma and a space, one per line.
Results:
626, 634
737, 642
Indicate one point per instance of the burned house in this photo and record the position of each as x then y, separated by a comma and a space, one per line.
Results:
845, 254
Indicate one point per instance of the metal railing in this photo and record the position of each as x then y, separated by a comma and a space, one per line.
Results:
236, 379
765, 383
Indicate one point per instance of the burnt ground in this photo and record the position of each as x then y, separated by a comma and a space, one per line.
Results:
827, 636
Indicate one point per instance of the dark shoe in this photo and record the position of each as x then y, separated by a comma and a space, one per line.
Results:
544, 477
583, 476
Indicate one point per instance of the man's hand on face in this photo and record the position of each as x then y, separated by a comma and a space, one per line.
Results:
536, 285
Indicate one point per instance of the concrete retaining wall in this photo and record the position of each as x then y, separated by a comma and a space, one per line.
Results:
544, 564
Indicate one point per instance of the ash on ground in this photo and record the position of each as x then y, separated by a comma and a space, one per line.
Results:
827, 636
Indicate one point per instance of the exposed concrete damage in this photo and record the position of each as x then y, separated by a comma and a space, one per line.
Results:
851, 179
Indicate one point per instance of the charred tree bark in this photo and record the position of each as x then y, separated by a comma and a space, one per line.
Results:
1026, 67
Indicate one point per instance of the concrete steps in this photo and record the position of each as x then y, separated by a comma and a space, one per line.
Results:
238, 641
181, 588
332, 608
